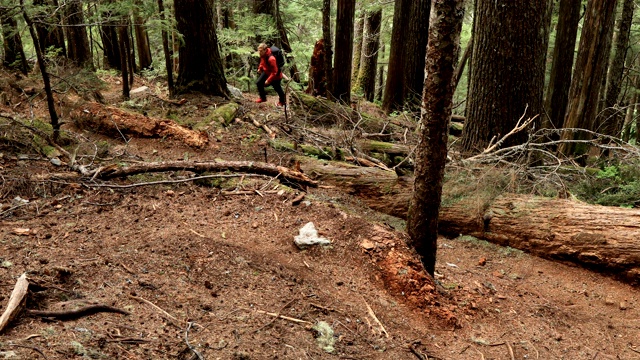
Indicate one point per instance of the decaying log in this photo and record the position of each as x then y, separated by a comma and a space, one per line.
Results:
597, 237
212, 166
116, 122
16, 303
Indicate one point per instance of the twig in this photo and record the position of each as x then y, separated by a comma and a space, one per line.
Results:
510, 350
375, 318
479, 352
534, 349
128, 340
632, 349
186, 340
171, 317
298, 199
16, 301
298, 321
78, 313
32, 348
278, 313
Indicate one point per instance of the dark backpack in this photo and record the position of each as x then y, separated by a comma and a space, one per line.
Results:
277, 53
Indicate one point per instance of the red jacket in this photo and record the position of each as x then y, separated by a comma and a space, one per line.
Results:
269, 66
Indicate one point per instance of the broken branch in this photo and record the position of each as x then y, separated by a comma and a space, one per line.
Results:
78, 313
16, 302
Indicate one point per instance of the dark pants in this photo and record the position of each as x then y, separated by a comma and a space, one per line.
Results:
276, 86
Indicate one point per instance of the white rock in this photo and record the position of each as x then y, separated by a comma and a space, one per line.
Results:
309, 237
138, 90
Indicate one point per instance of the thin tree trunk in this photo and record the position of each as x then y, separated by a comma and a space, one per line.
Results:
437, 102
613, 117
369, 59
394, 87
78, 50
55, 125
415, 48
50, 35
380, 87
461, 64
125, 66
168, 51
328, 47
358, 34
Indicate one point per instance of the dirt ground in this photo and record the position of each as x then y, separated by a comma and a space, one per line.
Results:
205, 274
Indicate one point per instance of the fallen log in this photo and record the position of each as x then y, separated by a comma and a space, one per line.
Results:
597, 237
116, 122
253, 167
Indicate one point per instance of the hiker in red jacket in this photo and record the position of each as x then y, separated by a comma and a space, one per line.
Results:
269, 75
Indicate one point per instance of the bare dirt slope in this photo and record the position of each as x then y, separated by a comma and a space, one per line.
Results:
218, 273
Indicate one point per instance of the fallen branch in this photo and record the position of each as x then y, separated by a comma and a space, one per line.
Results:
16, 302
297, 321
77, 313
264, 127
32, 348
375, 318
195, 352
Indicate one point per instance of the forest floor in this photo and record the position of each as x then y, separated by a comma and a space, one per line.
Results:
221, 274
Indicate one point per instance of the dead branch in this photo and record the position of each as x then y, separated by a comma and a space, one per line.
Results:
297, 321
16, 302
186, 340
142, 300
264, 127
77, 313
375, 318
32, 348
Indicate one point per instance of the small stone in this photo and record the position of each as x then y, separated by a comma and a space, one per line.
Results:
623, 305
170, 193
367, 245
482, 261
254, 225
56, 161
609, 301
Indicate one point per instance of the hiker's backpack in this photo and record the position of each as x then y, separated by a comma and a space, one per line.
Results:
277, 53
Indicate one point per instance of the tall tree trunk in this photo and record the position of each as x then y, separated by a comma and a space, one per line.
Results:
462, 63
431, 156
508, 68
560, 78
344, 50
109, 37
370, 49
612, 116
357, 49
317, 76
394, 88
78, 50
49, 34
380, 87
55, 124
200, 63
415, 47
13, 51
142, 39
125, 60
168, 50
328, 47
588, 73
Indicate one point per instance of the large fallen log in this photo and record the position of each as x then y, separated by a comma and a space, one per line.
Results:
116, 122
602, 238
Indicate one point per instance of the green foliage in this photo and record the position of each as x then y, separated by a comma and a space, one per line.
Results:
613, 185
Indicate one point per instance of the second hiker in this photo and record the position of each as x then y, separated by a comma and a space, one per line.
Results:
270, 74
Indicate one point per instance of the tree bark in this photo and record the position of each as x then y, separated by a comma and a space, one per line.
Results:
344, 50
369, 57
200, 63
328, 47
415, 48
49, 34
437, 103
393, 97
142, 39
358, 36
13, 50
588, 73
168, 50
613, 117
508, 68
560, 78
78, 50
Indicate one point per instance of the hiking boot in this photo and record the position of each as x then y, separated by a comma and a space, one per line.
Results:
279, 104
261, 101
